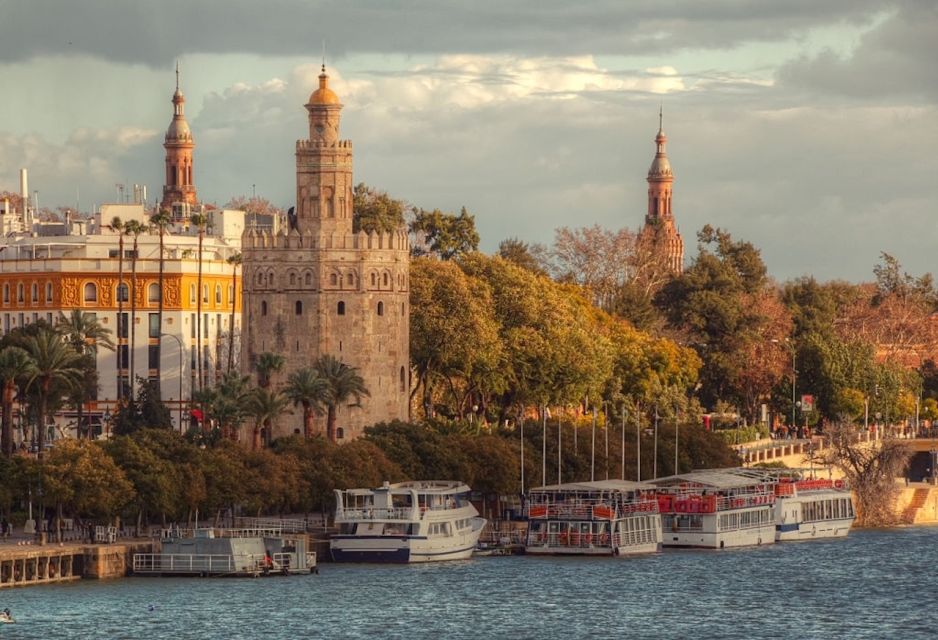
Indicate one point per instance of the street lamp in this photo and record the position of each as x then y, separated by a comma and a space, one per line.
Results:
179, 343
106, 419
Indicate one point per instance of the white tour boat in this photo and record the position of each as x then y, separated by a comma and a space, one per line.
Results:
715, 509
421, 521
605, 517
807, 507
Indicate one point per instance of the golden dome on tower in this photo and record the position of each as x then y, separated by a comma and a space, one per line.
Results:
324, 95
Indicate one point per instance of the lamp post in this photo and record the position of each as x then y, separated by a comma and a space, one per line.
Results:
106, 419
179, 343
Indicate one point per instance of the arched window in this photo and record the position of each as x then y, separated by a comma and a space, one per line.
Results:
123, 292
292, 278
309, 279
217, 294
231, 298
260, 278
403, 381
263, 307
192, 293
204, 294
339, 433
153, 293
35, 292
380, 308
6, 293
48, 292
270, 278
387, 279
333, 279
91, 292
19, 293
340, 309
298, 308
374, 279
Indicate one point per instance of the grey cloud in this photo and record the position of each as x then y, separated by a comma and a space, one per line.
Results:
138, 31
896, 59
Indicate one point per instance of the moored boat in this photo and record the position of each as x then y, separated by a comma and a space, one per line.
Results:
604, 517
420, 521
715, 509
807, 507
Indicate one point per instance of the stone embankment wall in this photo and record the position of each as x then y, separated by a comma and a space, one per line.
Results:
24, 565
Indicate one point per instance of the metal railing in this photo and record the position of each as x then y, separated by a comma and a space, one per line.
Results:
374, 513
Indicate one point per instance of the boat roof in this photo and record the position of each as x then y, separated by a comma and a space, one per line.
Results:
441, 487
596, 485
716, 478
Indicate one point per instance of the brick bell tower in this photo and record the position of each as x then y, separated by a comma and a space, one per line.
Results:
317, 287
179, 195
659, 227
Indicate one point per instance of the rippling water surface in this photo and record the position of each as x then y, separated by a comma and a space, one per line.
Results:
875, 584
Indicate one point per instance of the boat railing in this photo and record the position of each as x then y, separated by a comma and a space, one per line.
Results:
286, 525
184, 563
250, 532
572, 540
596, 511
376, 513
695, 503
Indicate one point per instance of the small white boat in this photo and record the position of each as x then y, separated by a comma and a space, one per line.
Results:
6, 617
604, 517
421, 521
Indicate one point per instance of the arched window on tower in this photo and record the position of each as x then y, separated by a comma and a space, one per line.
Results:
387, 279
308, 279
340, 308
299, 308
339, 433
333, 279
380, 308
374, 279
292, 278
263, 307
403, 381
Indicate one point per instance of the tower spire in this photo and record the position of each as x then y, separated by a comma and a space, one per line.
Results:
177, 75
660, 117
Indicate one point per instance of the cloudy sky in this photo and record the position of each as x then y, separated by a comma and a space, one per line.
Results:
808, 128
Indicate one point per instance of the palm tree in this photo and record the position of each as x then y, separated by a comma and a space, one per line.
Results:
266, 365
229, 405
133, 228
118, 226
15, 365
160, 221
305, 387
265, 406
199, 221
235, 262
85, 334
53, 361
343, 382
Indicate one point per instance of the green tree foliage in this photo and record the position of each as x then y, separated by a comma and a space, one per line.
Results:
724, 305
375, 211
454, 334
343, 383
15, 367
80, 478
144, 411
532, 257
308, 389
444, 235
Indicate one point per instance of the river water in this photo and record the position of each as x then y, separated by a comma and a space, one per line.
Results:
875, 584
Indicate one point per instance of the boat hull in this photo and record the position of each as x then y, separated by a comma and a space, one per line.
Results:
621, 552
751, 537
403, 549
812, 530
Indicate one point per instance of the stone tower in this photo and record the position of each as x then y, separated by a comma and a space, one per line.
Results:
659, 228
179, 190
316, 287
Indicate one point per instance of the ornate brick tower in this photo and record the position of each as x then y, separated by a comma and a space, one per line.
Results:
659, 220
316, 287
179, 191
